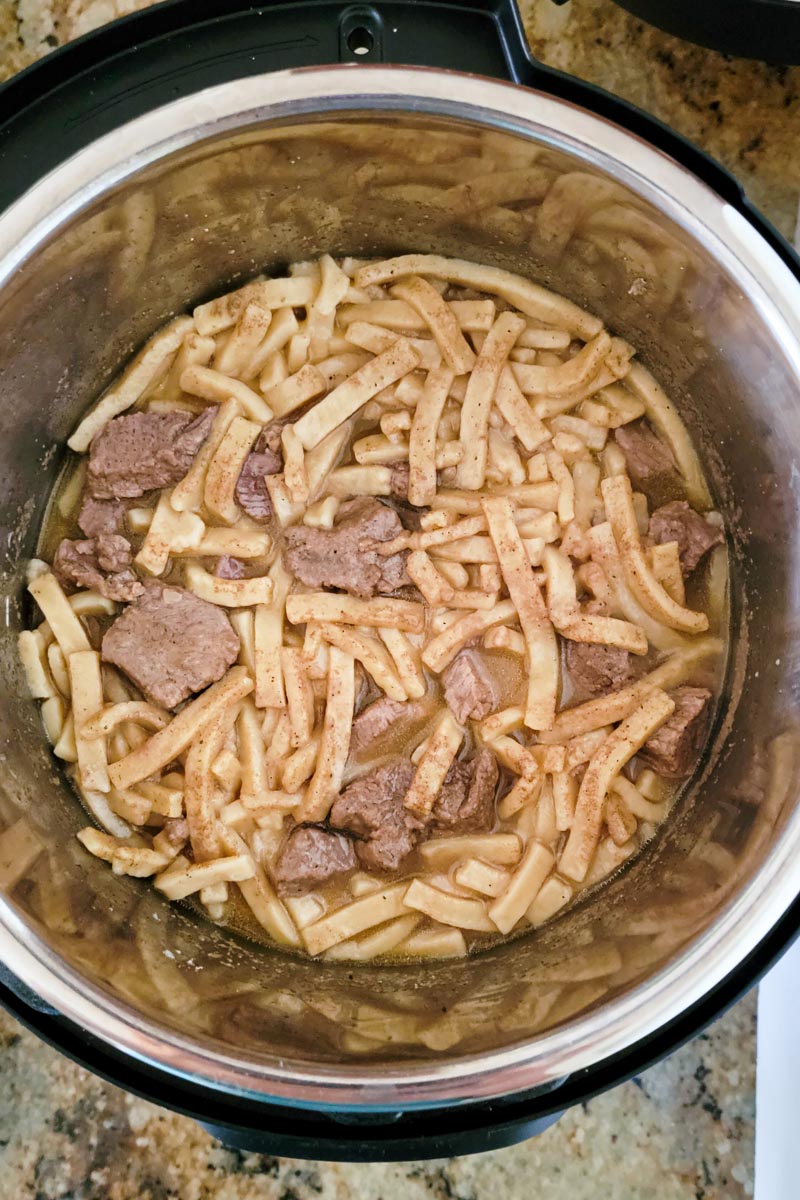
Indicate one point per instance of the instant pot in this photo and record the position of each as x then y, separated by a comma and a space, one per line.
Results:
177, 152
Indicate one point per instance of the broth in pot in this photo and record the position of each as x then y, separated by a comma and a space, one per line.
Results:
383, 608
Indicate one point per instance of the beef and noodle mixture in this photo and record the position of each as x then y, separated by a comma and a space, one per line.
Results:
384, 605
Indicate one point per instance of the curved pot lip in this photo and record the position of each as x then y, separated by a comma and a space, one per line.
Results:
772, 288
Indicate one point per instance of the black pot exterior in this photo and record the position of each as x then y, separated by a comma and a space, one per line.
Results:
172, 51
765, 29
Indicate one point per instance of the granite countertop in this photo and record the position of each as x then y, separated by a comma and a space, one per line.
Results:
683, 1130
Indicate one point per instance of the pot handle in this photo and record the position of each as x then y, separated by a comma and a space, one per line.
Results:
483, 37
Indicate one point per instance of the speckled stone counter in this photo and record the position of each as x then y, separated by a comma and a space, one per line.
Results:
681, 1131
684, 1130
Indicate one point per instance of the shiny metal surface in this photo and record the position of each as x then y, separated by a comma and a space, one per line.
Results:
180, 205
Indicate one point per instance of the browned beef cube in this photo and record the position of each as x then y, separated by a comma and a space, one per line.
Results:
101, 516
113, 552
311, 856
264, 459
399, 478
649, 460
270, 436
348, 555
94, 631
597, 669
673, 750
679, 522
171, 644
371, 807
410, 516
228, 567
136, 453
379, 717
468, 689
373, 521
367, 689
101, 563
466, 801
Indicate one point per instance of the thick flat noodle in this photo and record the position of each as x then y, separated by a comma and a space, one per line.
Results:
163, 747
335, 742
638, 572
540, 637
151, 362
605, 710
531, 299
620, 746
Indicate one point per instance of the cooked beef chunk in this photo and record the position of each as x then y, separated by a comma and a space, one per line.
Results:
673, 750
399, 480
264, 459
171, 644
348, 555
382, 715
113, 552
177, 830
373, 520
468, 689
367, 689
134, 454
371, 807
101, 563
466, 802
679, 522
229, 568
649, 460
310, 856
101, 516
270, 438
597, 669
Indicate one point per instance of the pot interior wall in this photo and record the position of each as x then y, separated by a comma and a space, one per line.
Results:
199, 223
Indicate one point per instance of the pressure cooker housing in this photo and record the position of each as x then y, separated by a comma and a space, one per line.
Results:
768, 29
185, 201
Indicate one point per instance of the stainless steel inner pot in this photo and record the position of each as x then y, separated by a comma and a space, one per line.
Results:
184, 203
